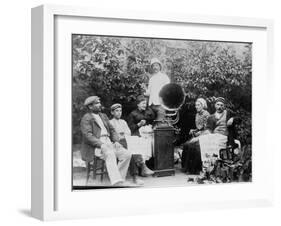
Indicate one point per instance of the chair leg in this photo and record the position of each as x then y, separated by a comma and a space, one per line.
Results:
102, 171
88, 171
94, 168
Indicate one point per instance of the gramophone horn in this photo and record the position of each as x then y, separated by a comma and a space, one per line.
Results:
172, 97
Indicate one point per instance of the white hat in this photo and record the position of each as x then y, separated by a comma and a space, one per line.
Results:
154, 61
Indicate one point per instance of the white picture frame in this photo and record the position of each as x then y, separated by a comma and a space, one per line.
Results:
53, 199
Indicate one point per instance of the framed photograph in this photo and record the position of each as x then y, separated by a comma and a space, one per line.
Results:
147, 112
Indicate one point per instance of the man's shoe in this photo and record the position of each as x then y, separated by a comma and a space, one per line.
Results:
127, 184
118, 184
145, 171
138, 181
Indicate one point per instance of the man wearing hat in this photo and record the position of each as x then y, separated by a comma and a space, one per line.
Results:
155, 84
221, 119
100, 138
121, 127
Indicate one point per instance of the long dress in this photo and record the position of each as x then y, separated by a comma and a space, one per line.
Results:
191, 158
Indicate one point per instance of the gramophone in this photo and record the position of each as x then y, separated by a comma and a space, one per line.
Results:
172, 97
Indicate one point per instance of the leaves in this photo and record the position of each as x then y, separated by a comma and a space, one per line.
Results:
117, 69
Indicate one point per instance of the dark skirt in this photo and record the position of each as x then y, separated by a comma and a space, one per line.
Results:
191, 158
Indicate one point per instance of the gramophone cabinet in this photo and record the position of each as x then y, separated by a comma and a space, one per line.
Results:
164, 151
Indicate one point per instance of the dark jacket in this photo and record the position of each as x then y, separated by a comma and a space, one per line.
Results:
136, 116
91, 135
211, 125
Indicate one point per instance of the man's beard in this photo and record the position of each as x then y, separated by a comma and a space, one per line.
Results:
98, 110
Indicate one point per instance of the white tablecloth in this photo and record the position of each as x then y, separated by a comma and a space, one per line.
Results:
140, 145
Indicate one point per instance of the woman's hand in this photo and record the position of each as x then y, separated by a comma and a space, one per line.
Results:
141, 123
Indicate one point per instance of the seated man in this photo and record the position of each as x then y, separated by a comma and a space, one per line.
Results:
100, 139
137, 161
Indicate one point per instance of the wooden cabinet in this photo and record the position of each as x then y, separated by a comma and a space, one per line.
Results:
164, 151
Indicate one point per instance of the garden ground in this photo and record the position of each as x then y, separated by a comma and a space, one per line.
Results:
79, 176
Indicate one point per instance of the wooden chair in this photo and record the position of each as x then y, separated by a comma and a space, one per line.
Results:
227, 166
97, 166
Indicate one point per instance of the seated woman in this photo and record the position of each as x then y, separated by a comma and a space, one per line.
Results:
140, 122
191, 159
124, 132
142, 116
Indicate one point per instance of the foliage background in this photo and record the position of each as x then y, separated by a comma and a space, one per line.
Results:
117, 70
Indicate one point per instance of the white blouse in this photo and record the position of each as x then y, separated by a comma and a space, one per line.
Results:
156, 82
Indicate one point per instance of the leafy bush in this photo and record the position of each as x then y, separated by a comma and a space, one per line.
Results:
117, 70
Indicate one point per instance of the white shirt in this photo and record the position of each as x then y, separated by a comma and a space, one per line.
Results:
156, 82
100, 123
121, 126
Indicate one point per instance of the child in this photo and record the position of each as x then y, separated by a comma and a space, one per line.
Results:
123, 130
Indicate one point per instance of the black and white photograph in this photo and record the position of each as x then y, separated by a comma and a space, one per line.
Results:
155, 112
